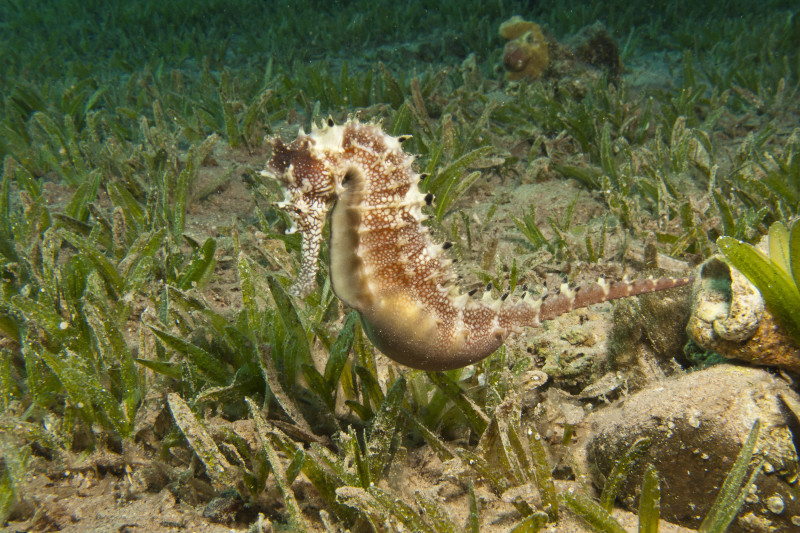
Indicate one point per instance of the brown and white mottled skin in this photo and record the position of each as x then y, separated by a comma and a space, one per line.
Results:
384, 263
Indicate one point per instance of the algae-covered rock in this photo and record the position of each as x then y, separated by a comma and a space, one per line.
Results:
531, 53
526, 53
697, 424
648, 336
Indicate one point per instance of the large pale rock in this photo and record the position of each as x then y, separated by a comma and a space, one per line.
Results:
698, 423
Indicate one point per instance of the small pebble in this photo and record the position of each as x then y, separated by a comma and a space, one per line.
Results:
775, 504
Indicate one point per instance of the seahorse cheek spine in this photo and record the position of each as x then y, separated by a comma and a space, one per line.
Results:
384, 263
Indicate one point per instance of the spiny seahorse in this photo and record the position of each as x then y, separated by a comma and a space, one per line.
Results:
384, 263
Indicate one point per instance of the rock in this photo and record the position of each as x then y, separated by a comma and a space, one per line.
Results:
596, 47
583, 57
532, 53
569, 522
648, 336
698, 423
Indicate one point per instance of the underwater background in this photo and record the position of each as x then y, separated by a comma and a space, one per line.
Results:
156, 373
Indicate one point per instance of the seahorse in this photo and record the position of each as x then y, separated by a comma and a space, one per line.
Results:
384, 262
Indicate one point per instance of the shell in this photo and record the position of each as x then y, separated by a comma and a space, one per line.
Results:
729, 317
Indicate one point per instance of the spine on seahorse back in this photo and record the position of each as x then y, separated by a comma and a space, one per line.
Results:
383, 262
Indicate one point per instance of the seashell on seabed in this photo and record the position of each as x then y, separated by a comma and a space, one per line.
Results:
729, 317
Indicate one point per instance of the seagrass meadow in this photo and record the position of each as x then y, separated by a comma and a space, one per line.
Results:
158, 373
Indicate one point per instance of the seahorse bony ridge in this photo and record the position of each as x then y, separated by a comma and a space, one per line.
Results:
384, 263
